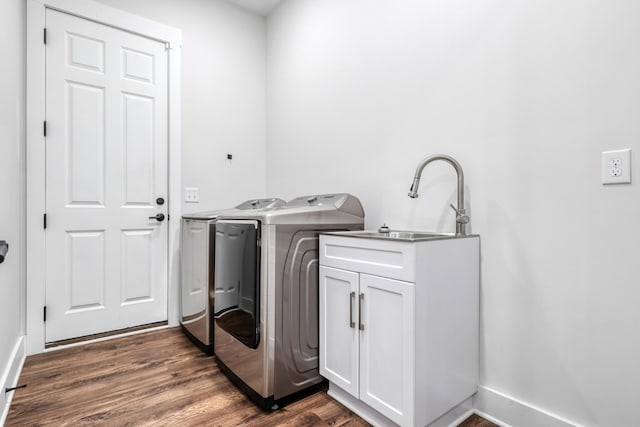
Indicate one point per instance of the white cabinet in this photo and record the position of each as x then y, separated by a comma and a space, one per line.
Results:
399, 325
386, 346
339, 334
367, 339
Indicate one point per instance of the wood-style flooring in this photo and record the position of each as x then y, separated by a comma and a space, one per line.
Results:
156, 378
477, 421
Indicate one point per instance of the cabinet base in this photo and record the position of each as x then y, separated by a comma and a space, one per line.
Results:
452, 418
364, 411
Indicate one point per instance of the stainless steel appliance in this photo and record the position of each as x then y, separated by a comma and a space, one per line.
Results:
266, 293
198, 249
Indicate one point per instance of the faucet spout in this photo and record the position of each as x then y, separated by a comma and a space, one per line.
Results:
413, 191
461, 218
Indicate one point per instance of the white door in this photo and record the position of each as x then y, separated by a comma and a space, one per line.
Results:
106, 166
387, 347
339, 334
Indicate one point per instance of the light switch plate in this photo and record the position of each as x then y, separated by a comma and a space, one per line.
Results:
191, 195
616, 167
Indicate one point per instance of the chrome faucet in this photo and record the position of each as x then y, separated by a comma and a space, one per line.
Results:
462, 219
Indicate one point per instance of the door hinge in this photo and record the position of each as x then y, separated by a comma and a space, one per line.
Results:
44, 128
44, 313
44, 221
45, 36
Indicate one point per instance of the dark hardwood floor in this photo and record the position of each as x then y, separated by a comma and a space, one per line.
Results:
155, 378
477, 421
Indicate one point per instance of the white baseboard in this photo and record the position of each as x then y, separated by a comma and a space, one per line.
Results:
507, 411
10, 378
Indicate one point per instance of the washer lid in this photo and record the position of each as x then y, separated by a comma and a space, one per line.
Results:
320, 209
260, 204
203, 216
323, 209
249, 205
340, 202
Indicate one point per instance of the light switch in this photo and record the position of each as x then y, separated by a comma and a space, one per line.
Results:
191, 195
616, 167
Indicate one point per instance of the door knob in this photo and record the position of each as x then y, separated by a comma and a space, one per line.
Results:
159, 217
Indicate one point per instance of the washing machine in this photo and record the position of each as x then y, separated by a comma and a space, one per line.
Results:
266, 294
197, 263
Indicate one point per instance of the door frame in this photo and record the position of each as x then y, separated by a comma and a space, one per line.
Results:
35, 148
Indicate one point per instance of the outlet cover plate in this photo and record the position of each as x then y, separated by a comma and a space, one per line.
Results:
191, 195
616, 167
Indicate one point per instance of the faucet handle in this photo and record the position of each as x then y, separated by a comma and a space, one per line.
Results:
459, 212
461, 216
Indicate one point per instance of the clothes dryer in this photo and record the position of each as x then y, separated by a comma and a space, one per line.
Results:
266, 293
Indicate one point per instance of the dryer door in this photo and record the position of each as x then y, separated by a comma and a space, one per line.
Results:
237, 280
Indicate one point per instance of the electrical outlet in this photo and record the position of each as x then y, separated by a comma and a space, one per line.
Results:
616, 167
191, 195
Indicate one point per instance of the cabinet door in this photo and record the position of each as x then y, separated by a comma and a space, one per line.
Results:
339, 328
387, 347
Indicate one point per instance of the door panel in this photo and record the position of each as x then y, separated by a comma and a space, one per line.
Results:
138, 141
106, 163
86, 145
86, 270
137, 66
386, 351
85, 53
137, 255
339, 353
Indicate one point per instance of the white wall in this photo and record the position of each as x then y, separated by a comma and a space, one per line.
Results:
223, 96
525, 94
12, 113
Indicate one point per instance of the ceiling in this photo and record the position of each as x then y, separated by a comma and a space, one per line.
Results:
261, 7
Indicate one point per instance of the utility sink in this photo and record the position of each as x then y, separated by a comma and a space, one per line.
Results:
406, 300
405, 236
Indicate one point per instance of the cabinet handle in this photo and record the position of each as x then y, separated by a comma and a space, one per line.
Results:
352, 297
361, 325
